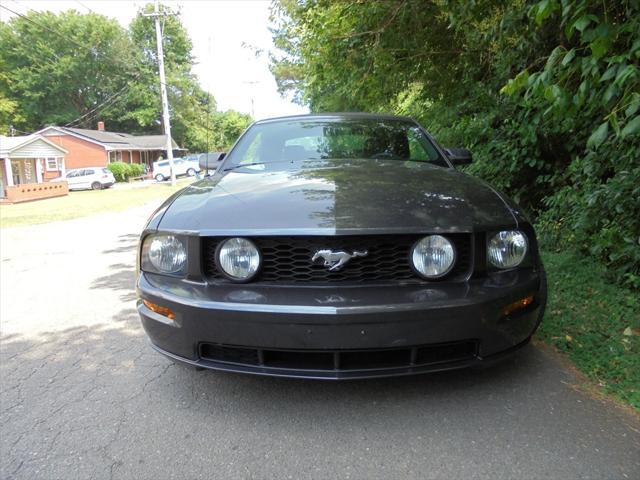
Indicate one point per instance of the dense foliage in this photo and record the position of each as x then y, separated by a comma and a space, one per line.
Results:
124, 171
596, 323
546, 94
80, 68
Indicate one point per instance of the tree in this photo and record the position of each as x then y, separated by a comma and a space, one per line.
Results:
226, 128
360, 55
546, 94
57, 68
8, 114
80, 68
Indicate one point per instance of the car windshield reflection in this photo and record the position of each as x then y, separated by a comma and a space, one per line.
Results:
276, 143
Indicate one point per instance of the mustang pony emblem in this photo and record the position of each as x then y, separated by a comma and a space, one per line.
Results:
336, 260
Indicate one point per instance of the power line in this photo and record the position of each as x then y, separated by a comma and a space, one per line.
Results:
61, 35
113, 61
96, 110
92, 51
101, 105
86, 48
83, 5
91, 113
13, 129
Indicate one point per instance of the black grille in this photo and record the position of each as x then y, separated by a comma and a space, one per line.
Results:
341, 360
288, 259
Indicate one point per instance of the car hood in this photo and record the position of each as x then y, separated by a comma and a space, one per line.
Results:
337, 196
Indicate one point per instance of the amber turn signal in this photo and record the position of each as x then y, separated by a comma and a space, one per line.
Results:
519, 305
158, 309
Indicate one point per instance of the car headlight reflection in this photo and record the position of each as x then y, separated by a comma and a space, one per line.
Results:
507, 249
433, 256
163, 254
239, 259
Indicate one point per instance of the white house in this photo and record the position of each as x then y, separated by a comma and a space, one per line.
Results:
23, 160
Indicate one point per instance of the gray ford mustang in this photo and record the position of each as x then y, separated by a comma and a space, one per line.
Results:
338, 246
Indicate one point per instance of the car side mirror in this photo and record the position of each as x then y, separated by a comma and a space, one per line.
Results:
210, 161
459, 156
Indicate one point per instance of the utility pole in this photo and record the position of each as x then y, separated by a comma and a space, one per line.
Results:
163, 87
252, 83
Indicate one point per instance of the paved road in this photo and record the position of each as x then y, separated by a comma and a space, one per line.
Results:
83, 396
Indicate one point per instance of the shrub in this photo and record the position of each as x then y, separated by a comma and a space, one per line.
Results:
120, 171
135, 169
123, 171
546, 93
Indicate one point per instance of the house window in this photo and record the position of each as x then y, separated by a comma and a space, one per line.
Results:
52, 164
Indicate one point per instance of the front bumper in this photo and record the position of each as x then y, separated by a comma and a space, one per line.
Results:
341, 332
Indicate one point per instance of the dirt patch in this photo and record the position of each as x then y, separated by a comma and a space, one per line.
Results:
587, 386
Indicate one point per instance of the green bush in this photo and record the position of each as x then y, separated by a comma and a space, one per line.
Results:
120, 171
545, 93
135, 169
123, 171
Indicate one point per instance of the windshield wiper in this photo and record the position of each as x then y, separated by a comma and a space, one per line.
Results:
255, 163
245, 165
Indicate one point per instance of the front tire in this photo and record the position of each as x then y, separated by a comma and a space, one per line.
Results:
159, 178
191, 172
96, 186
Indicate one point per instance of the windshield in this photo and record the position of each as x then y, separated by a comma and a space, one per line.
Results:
314, 139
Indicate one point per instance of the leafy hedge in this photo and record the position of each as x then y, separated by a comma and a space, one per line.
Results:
546, 94
123, 171
587, 95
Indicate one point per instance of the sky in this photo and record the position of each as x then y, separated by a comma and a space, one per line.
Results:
221, 31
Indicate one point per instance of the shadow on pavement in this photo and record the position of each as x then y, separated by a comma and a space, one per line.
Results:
122, 279
128, 244
98, 399
96, 402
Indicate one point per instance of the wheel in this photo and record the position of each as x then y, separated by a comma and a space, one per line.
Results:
159, 178
96, 186
191, 172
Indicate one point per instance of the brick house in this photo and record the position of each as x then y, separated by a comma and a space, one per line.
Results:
98, 148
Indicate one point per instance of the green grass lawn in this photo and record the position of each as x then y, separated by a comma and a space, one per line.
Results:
595, 322
85, 202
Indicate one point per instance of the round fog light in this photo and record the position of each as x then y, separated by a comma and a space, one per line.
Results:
239, 259
433, 256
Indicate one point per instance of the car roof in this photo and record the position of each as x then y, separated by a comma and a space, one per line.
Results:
337, 115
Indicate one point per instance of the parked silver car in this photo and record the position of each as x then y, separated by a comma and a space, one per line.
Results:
181, 166
94, 178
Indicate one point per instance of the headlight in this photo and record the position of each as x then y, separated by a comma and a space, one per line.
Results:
507, 249
433, 256
239, 258
163, 254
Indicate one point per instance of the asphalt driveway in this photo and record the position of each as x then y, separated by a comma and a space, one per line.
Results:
83, 395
